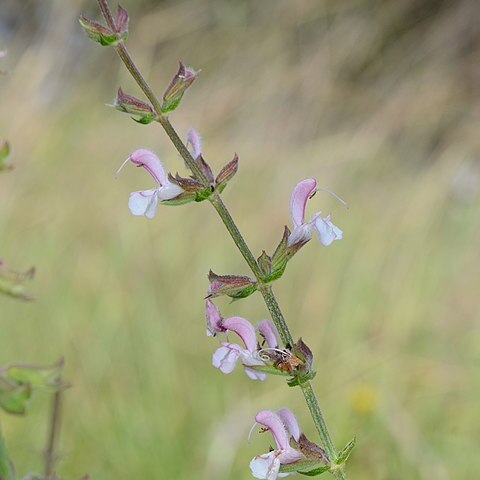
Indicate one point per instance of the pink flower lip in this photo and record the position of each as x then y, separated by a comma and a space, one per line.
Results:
244, 329
214, 319
273, 422
269, 333
193, 139
298, 201
151, 163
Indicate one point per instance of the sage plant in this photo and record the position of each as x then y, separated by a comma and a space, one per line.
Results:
270, 347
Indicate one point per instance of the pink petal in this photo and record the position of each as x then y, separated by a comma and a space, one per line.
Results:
274, 423
268, 332
150, 162
214, 319
244, 329
298, 200
193, 139
290, 422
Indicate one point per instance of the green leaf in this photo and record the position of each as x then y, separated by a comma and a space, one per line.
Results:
243, 293
316, 471
295, 381
182, 199
6, 470
345, 452
145, 119
41, 377
306, 467
203, 194
4, 155
269, 370
15, 400
280, 258
169, 106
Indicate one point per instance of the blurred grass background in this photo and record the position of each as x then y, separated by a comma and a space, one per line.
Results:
379, 100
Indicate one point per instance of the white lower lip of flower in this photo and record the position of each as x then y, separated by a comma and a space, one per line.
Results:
168, 191
143, 203
327, 231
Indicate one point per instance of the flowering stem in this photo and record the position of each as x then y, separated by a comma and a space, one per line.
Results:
223, 212
277, 315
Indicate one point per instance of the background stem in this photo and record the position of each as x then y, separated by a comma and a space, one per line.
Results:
52, 436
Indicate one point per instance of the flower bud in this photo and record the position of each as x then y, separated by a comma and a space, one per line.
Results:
177, 87
101, 34
226, 173
143, 112
234, 286
265, 264
121, 20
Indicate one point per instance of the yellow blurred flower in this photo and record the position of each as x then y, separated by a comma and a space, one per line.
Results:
364, 398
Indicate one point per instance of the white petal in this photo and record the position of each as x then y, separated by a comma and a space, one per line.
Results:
327, 231
169, 190
300, 234
255, 374
250, 359
225, 358
143, 203
265, 466
290, 455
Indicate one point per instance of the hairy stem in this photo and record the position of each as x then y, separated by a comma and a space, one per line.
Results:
223, 212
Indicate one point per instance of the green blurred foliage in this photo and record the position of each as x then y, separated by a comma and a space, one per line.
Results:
378, 101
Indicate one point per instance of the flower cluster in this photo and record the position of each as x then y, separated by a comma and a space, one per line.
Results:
257, 348
251, 354
283, 426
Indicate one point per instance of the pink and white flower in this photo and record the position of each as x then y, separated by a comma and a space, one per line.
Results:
144, 202
227, 355
283, 425
249, 352
302, 230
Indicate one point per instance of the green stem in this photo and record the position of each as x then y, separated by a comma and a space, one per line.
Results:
223, 212
277, 315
